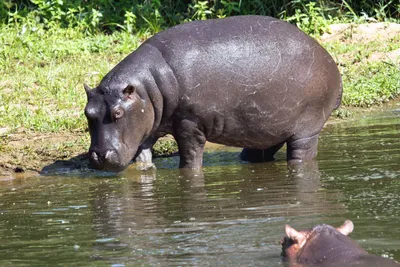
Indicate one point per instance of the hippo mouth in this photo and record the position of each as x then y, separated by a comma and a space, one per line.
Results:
110, 160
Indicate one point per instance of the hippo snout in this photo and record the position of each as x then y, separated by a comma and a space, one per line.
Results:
108, 160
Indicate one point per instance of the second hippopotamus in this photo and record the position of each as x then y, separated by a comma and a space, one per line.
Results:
326, 246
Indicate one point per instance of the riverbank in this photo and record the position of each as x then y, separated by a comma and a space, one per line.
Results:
26, 153
41, 116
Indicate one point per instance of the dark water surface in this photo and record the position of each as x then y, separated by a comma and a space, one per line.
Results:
231, 215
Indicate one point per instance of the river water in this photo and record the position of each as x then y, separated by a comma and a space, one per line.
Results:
231, 214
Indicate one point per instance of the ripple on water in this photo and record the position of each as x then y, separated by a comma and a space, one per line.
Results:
230, 214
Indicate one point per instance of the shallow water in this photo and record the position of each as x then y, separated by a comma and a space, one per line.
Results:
232, 214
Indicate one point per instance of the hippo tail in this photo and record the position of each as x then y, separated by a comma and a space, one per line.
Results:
339, 98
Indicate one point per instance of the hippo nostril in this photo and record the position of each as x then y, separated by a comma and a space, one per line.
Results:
105, 160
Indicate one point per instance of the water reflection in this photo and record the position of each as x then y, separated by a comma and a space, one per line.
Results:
229, 214
208, 216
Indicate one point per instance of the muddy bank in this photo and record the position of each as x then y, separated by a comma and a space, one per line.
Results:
29, 152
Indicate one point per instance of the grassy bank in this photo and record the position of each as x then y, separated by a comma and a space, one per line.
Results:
42, 70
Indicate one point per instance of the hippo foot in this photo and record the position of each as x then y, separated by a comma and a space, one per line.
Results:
302, 149
144, 160
144, 166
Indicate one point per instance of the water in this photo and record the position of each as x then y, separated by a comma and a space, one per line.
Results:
232, 214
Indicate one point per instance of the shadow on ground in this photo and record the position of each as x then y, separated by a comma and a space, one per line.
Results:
78, 163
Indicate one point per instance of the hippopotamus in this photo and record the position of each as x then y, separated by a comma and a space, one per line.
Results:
253, 82
326, 246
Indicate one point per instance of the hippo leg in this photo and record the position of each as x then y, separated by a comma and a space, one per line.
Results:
144, 156
260, 155
302, 148
144, 160
191, 143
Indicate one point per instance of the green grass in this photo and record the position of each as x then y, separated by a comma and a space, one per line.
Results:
49, 48
165, 148
43, 71
366, 82
371, 84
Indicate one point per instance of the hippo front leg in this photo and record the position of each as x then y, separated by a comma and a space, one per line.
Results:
144, 156
191, 143
302, 149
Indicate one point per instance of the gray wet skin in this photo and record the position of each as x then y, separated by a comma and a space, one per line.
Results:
250, 81
326, 246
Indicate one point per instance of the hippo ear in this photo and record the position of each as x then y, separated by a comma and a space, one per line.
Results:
299, 237
88, 90
129, 91
346, 228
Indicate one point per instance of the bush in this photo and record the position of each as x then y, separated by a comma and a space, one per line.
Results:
154, 15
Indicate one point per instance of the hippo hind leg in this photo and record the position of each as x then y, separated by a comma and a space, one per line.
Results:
300, 149
260, 155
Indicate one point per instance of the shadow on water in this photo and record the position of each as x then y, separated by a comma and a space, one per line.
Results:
229, 213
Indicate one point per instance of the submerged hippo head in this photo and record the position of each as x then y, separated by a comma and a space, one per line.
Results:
322, 243
119, 121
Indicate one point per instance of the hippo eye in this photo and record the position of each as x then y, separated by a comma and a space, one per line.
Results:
118, 113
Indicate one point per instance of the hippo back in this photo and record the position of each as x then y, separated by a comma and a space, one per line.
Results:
251, 70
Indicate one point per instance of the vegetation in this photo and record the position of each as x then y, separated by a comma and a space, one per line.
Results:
138, 16
367, 81
49, 48
167, 147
